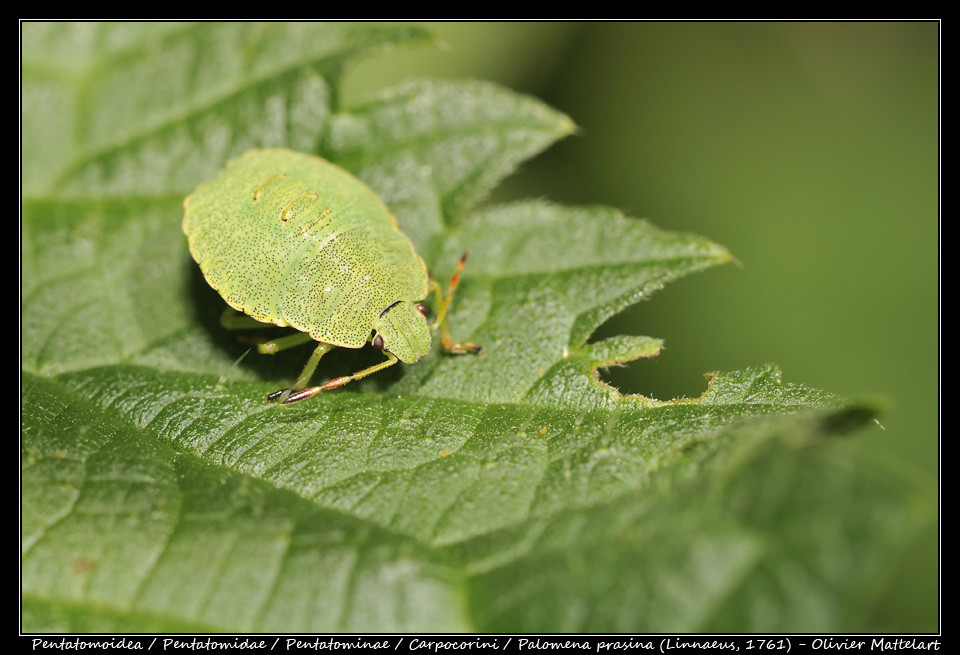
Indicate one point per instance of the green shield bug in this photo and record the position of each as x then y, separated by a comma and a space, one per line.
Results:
290, 239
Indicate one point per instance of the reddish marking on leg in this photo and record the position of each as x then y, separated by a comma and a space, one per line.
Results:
455, 280
302, 395
339, 382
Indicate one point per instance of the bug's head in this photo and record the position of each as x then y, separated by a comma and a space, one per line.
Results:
402, 329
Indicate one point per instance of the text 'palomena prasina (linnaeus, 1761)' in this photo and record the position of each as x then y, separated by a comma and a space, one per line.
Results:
290, 239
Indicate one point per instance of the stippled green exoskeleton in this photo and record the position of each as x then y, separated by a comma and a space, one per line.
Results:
292, 240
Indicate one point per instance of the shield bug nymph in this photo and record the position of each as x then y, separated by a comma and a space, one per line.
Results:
290, 239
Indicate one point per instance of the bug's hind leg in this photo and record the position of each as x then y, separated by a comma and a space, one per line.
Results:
282, 343
338, 382
446, 334
295, 392
231, 319
234, 320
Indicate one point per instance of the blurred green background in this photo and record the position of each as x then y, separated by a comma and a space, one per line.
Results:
810, 150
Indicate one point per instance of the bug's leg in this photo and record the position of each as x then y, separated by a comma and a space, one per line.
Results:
446, 335
282, 343
287, 395
231, 319
234, 320
339, 382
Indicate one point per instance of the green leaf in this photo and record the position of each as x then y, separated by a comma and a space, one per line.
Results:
514, 490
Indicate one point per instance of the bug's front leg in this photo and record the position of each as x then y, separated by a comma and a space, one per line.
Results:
299, 388
333, 384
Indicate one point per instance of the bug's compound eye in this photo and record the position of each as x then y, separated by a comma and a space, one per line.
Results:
377, 342
423, 309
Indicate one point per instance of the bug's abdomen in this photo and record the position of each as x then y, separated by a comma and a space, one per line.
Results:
294, 240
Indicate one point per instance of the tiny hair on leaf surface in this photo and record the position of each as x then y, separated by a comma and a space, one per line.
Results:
511, 491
